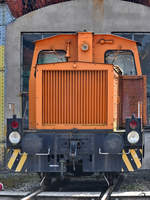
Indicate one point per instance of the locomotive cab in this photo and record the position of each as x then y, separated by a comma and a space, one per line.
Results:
87, 107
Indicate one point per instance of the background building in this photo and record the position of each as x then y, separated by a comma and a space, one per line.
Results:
121, 17
5, 19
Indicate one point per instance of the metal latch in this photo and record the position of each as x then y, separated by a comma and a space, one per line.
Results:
73, 148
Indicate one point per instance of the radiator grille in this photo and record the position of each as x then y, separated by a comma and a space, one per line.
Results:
74, 97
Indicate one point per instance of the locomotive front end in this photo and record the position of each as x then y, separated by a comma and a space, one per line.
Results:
83, 117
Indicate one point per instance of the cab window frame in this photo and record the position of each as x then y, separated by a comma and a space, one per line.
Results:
51, 51
127, 50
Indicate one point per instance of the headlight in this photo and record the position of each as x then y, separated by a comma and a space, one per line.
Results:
133, 137
14, 137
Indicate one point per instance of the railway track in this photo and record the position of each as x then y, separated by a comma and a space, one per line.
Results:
4, 195
107, 193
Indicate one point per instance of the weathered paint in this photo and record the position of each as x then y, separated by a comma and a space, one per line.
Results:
2, 35
20, 162
16, 159
5, 18
1, 104
98, 11
5, 15
132, 160
134, 92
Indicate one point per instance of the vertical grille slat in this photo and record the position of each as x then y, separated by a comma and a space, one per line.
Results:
98, 96
53, 110
87, 103
51, 100
70, 102
84, 103
79, 102
74, 97
90, 98
56, 95
95, 96
91, 115
101, 95
48, 83
65, 91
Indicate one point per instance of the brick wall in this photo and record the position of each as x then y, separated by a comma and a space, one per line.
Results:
21, 7
144, 2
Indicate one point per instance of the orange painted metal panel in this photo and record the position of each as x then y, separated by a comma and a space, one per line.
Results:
57, 91
64, 83
66, 95
85, 47
103, 43
133, 92
116, 101
98, 46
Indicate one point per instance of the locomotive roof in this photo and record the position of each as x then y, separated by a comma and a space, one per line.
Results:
115, 36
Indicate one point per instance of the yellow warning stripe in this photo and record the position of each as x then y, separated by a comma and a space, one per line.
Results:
135, 158
13, 158
21, 162
141, 150
2, 85
127, 162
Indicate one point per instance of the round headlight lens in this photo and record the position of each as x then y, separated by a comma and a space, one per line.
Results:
14, 137
133, 137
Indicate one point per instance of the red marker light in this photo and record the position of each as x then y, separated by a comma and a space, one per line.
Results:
1, 186
133, 124
14, 124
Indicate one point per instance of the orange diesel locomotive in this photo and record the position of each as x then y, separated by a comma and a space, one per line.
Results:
87, 107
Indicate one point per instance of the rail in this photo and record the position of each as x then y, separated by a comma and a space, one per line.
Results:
112, 184
74, 195
32, 194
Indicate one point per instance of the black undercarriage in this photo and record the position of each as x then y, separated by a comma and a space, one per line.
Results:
74, 151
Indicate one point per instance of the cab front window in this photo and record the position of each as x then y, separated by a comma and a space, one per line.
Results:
122, 58
47, 56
